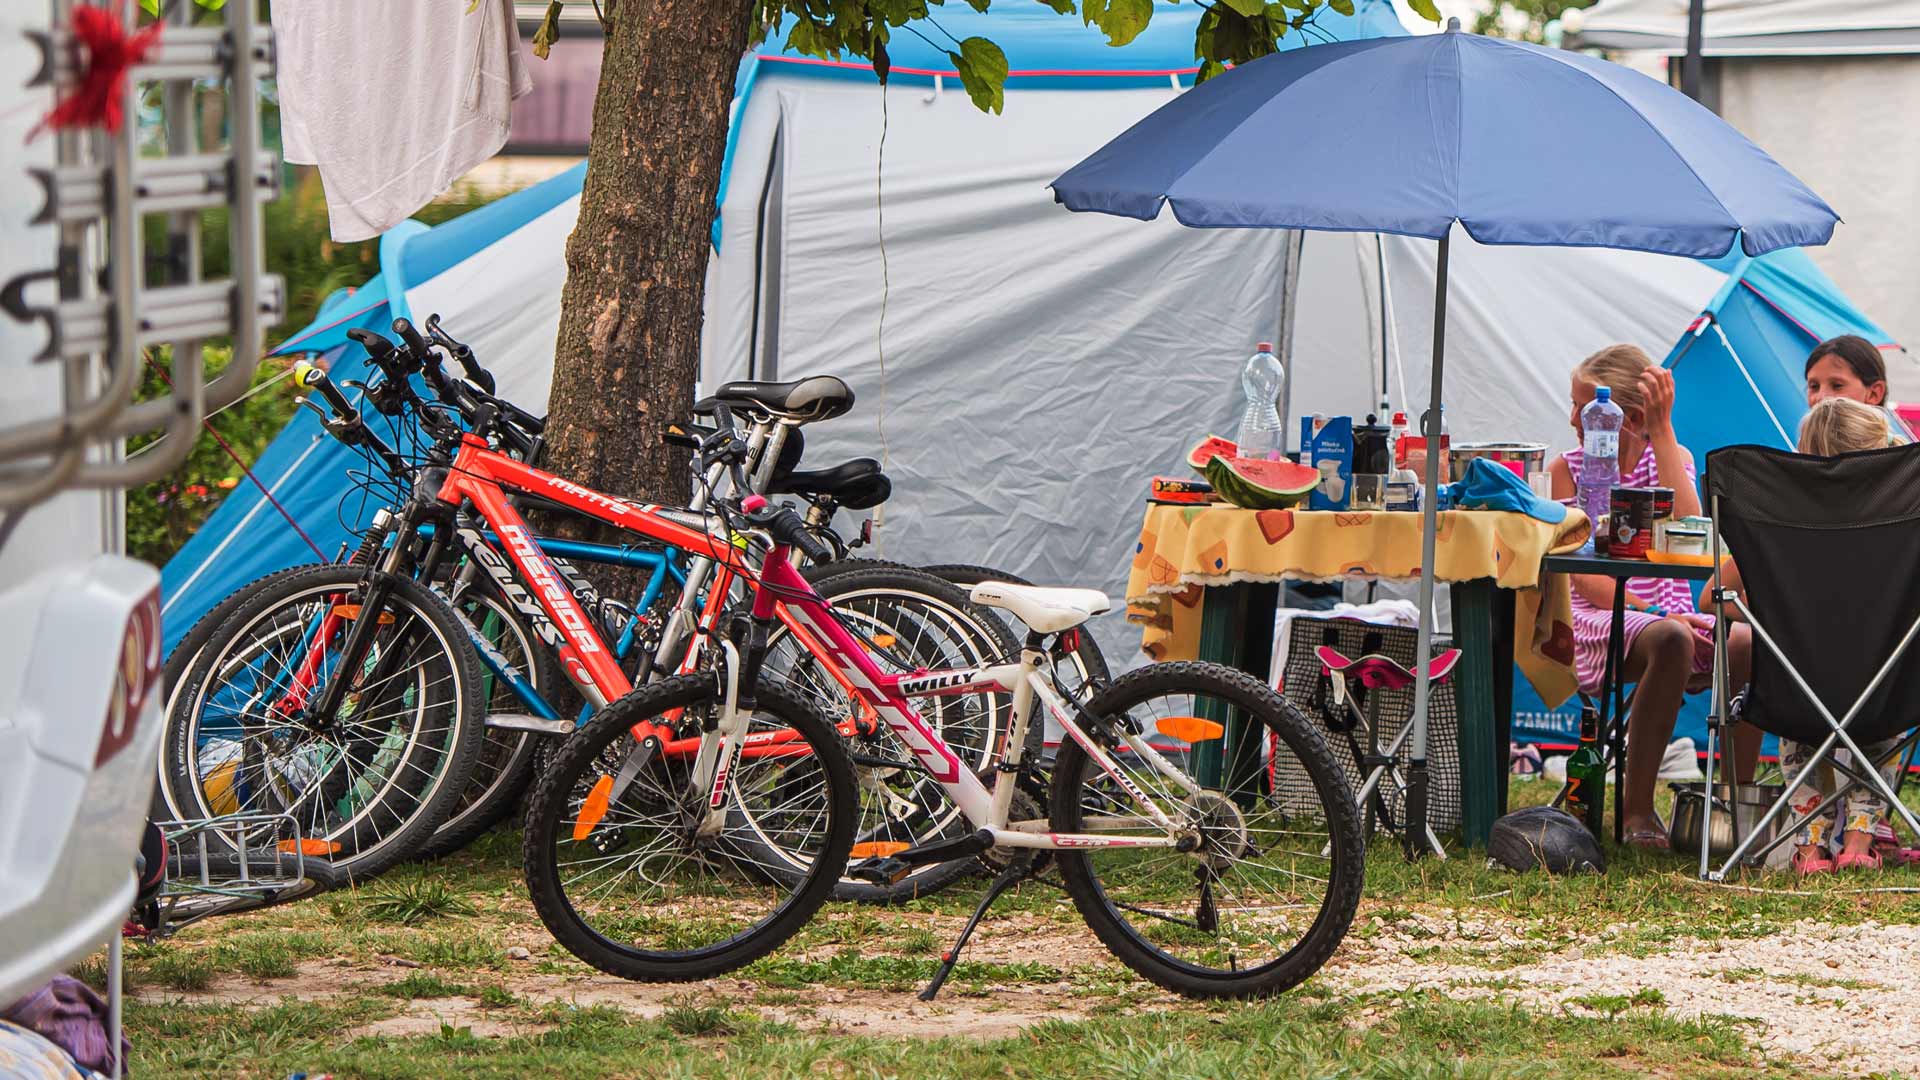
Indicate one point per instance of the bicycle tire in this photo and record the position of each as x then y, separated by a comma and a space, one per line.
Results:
504, 766
423, 784
988, 640
1345, 851
552, 806
180, 662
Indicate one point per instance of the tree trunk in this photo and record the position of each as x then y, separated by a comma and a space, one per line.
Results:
629, 345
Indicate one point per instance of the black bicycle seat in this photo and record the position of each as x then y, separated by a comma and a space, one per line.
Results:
818, 397
857, 485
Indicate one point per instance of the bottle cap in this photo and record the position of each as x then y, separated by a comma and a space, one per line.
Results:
1265, 346
1604, 393
1400, 418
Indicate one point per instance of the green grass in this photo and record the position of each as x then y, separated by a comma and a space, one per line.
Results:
413, 902
796, 1012
1400, 1036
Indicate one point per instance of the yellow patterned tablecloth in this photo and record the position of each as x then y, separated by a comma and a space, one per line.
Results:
1184, 549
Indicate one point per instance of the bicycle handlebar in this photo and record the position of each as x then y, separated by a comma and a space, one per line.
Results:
786, 527
312, 378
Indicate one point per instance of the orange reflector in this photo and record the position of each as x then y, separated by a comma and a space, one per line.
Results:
884, 641
594, 808
873, 849
1189, 729
352, 611
308, 847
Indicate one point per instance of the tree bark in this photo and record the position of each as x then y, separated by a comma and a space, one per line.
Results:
629, 343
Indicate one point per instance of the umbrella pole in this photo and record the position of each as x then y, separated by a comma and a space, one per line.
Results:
1415, 834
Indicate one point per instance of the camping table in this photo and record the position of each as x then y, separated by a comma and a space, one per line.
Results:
1205, 582
1613, 727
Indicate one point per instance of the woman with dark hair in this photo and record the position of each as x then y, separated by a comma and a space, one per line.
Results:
1848, 366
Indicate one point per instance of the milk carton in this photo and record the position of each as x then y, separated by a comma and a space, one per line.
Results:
1326, 444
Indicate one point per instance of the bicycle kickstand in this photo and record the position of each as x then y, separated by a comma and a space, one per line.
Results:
1008, 878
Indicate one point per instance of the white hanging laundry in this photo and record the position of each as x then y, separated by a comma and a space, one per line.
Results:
394, 100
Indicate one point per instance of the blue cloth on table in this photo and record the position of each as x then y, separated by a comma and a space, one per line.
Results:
1489, 485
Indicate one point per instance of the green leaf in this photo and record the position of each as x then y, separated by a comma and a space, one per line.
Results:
151, 7
1344, 7
983, 71
979, 5
1120, 20
1426, 9
1249, 8
1060, 7
1208, 70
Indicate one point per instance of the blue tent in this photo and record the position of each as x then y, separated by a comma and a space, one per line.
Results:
1737, 371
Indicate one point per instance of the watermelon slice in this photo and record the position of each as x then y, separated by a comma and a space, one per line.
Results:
1210, 447
1259, 484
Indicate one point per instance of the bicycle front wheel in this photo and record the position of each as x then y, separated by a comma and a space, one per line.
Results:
617, 855
1269, 885
368, 783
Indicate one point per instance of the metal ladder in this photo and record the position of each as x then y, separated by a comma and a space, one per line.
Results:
112, 295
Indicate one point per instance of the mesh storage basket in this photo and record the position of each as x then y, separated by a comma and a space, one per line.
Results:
1306, 685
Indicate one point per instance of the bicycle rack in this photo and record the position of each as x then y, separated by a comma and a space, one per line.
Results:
228, 864
112, 296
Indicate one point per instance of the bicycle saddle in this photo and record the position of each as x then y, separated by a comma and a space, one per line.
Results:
818, 397
857, 485
1047, 611
1377, 672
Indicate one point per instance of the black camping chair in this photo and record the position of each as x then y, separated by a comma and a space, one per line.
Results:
1834, 661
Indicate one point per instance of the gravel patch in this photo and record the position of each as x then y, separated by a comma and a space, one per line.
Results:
1837, 997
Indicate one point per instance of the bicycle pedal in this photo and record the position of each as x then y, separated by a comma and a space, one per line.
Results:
526, 722
881, 870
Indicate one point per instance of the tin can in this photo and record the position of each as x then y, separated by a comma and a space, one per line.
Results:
1662, 517
1630, 523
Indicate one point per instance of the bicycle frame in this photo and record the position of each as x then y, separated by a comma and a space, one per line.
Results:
483, 477
887, 695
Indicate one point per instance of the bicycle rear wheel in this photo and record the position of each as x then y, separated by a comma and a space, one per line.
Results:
1271, 884
908, 620
620, 874
367, 784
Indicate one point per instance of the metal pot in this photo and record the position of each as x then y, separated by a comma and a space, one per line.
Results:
1731, 820
1527, 457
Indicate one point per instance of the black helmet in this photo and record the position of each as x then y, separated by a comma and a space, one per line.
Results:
1542, 837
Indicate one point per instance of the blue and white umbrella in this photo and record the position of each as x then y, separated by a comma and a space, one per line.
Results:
1516, 143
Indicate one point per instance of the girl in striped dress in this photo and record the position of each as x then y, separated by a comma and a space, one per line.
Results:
1669, 645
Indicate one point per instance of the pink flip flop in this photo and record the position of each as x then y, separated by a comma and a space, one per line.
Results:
1868, 860
1806, 865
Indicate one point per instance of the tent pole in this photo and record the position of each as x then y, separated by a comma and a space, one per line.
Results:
1289, 293
1380, 261
1415, 831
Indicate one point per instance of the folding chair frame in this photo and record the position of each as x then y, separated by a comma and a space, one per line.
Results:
1380, 765
1837, 729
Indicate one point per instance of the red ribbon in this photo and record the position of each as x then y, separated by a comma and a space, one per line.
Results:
99, 100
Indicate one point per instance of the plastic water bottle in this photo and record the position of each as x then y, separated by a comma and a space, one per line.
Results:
1600, 424
1260, 424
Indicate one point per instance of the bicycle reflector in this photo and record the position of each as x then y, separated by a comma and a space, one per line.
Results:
871, 849
135, 677
352, 611
310, 846
594, 808
1189, 729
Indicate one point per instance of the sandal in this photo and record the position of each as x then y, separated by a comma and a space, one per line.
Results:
1648, 839
1867, 860
1806, 865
